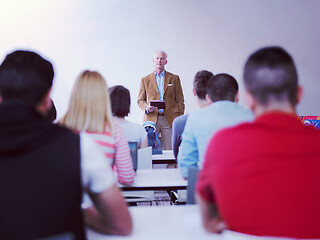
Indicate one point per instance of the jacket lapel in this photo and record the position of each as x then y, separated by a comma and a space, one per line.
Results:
154, 83
166, 82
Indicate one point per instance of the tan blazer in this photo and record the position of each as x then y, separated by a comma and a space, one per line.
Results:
172, 95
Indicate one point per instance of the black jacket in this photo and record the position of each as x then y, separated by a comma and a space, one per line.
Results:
40, 178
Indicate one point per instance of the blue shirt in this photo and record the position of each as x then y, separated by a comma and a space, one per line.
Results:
160, 83
201, 125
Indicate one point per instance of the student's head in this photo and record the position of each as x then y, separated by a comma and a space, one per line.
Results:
270, 76
222, 87
26, 77
120, 101
89, 106
200, 83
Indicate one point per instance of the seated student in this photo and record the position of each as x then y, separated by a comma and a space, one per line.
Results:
200, 82
89, 110
44, 167
120, 106
178, 125
262, 178
223, 111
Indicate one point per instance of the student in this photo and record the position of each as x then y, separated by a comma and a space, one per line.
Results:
161, 85
200, 82
222, 111
90, 111
262, 178
44, 167
120, 106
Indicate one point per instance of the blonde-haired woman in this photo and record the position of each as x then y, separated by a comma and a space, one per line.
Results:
90, 111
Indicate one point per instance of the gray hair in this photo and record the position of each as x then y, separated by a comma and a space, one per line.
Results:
161, 51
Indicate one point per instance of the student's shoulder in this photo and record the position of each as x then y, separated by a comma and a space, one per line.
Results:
198, 113
236, 132
58, 130
132, 125
180, 122
181, 118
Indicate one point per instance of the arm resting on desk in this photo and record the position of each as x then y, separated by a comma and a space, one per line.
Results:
211, 219
109, 214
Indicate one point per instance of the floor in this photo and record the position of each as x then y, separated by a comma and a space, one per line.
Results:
160, 198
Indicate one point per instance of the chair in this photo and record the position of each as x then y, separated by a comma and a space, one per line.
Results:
145, 158
192, 179
134, 154
186, 196
142, 159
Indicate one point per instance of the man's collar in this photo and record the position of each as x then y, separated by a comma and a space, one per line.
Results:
160, 75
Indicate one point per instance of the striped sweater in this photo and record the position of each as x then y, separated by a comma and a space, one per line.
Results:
116, 149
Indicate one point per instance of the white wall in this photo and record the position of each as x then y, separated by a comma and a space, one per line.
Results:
118, 38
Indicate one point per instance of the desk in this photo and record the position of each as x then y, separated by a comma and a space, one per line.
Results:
166, 157
157, 179
163, 222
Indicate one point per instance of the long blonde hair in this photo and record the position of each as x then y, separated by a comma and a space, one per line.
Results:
89, 106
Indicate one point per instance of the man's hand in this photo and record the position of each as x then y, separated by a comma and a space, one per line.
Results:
151, 108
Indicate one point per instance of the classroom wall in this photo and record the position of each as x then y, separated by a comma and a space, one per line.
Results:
118, 38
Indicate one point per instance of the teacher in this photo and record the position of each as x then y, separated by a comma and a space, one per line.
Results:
161, 85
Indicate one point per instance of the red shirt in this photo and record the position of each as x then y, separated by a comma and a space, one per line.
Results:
265, 177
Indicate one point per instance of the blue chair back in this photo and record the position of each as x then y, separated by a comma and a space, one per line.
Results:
192, 179
134, 154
